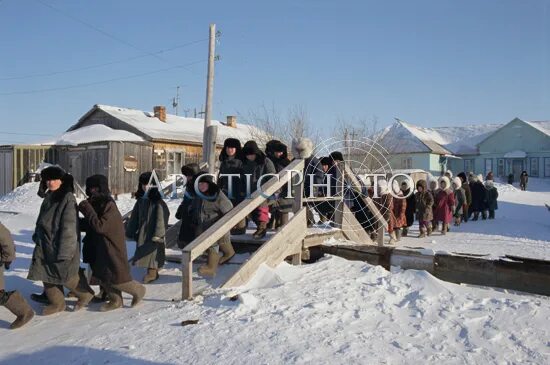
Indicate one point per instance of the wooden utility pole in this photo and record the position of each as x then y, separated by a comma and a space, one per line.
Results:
207, 150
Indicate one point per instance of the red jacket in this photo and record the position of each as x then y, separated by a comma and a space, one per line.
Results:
445, 201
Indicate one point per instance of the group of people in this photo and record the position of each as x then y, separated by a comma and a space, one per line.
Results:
57, 252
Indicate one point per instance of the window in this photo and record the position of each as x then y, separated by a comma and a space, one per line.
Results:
534, 166
547, 167
173, 162
500, 167
406, 163
468, 166
488, 165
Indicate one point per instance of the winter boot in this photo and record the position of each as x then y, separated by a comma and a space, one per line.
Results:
476, 216
101, 297
135, 289
240, 228
422, 232
444, 228
115, 300
212, 266
56, 299
261, 231
405, 232
152, 275
83, 292
398, 234
16, 304
429, 233
228, 252
40, 298
393, 238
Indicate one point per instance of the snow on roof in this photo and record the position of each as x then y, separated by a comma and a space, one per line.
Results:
96, 133
543, 126
515, 154
175, 128
403, 137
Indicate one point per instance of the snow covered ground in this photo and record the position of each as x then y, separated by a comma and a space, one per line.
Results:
333, 311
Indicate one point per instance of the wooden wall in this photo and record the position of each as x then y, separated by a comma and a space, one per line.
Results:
121, 178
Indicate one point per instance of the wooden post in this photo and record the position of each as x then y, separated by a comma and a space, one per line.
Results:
298, 193
380, 235
209, 87
187, 276
338, 216
209, 149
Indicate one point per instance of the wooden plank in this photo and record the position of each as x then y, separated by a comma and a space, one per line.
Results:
187, 276
370, 204
285, 242
218, 229
352, 229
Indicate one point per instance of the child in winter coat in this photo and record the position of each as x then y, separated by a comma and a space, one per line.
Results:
105, 244
444, 204
384, 203
187, 230
492, 196
523, 179
231, 163
434, 190
209, 205
282, 206
147, 226
56, 255
12, 300
479, 197
468, 195
424, 208
411, 206
255, 165
460, 200
399, 218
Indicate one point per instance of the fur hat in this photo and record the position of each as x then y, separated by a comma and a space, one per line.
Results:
431, 181
457, 181
405, 184
449, 174
251, 148
204, 177
279, 147
395, 187
153, 192
444, 180
489, 183
52, 173
100, 182
302, 147
191, 169
326, 161
480, 177
232, 143
422, 184
337, 156
462, 177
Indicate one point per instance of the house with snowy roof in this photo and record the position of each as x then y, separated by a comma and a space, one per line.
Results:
120, 143
501, 148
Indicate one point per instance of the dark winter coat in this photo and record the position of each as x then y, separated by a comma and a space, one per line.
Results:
147, 226
411, 207
231, 165
445, 202
460, 197
257, 168
479, 196
56, 256
206, 212
492, 198
424, 203
523, 179
313, 168
7, 252
284, 205
105, 243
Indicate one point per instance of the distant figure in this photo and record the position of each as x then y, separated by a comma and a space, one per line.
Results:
523, 179
511, 179
460, 203
489, 176
492, 196
424, 208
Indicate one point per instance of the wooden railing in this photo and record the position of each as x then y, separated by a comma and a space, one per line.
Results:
213, 234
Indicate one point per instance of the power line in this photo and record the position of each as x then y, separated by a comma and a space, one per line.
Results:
99, 30
100, 82
100, 64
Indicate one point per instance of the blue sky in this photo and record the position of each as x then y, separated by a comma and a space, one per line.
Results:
432, 63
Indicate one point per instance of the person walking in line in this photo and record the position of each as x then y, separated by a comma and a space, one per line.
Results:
424, 208
411, 206
147, 226
56, 255
492, 197
460, 197
444, 204
105, 244
523, 180
11, 300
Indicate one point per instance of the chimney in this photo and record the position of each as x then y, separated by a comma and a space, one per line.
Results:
160, 113
231, 121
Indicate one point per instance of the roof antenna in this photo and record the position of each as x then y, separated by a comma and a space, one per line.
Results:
176, 100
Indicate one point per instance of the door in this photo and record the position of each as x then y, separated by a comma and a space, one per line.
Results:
517, 168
